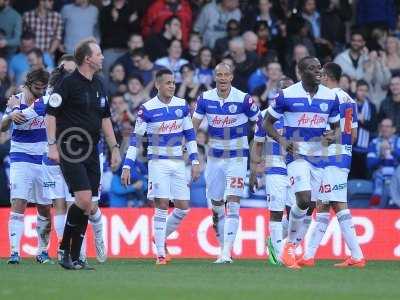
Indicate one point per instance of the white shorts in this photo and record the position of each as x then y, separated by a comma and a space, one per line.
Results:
303, 176
26, 182
225, 177
334, 185
278, 191
54, 185
167, 179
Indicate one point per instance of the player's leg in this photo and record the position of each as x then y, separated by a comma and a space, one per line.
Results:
60, 210
16, 228
20, 191
235, 175
316, 235
215, 188
300, 179
96, 219
159, 187
301, 233
43, 229
347, 227
276, 188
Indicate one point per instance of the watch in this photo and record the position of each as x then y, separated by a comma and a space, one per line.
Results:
195, 162
52, 142
115, 146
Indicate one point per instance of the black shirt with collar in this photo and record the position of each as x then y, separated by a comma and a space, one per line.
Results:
84, 105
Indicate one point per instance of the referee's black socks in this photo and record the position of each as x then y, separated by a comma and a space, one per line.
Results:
74, 231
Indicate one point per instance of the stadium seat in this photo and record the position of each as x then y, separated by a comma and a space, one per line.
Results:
359, 192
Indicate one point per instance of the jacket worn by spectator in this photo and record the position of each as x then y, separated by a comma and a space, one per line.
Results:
11, 23
379, 159
154, 19
390, 109
348, 67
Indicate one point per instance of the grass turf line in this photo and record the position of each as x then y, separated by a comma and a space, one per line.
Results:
198, 279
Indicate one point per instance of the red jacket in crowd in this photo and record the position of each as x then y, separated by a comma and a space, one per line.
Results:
159, 11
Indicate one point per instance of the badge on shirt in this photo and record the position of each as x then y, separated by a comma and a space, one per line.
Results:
102, 102
253, 107
55, 100
179, 113
323, 106
232, 108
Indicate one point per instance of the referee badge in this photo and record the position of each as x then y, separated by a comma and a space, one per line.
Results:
55, 100
323, 106
102, 102
232, 108
179, 113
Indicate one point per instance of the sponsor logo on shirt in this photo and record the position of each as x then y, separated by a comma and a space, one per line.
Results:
222, 122
313, 121
168, 127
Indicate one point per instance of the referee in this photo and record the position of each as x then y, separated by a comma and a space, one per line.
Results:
76, 113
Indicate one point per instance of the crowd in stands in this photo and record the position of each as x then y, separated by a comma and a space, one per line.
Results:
262, 40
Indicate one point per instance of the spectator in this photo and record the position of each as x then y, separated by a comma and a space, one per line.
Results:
300, 32
352, 60
161, 10
189, 88
390, 107
310, 13
244, 63
158, 43
46, 24
250, 42
133, 195
135, 96
299, 51
116, 24
174, 60
345, 84
5, 84
80, 21
213, 19
263, 38
367, 121
135, 41
121, 121
395, 188
258, 78
377, 74
221, 44
145, 69
195, 44
204, 73
382, 159
19, 64
393, 54
198, 188
35, 60
262, 13
68, 61
116, 82
268, 91
11, 24
371, 12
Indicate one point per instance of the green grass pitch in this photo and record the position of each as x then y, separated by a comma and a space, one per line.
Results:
198, 279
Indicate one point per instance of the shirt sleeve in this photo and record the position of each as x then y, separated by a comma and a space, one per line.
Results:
60, 90
278, 106
190, 136
200, 110
140, 130
334, 115
260, 133
250, 108
106, 111
355, 116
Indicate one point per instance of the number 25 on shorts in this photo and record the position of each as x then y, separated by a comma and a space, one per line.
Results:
237, 182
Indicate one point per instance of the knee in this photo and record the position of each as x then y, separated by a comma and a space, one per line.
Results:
18, 206
276, 216
303, 199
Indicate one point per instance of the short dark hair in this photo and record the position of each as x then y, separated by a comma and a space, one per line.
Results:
39, 75
302, 64
361, 82
83, 49
139, 52
117, 94
28, 35
162, 72
36, 51
66, 57
357, 31
169, 20
333, 71
135, 77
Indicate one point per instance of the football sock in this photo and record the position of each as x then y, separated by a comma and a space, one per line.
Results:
160, 226
174, 219
97, 222
349, 233
318, 232
301, 233
78, 233
15, 230
220, 211
295, 222
275, 232
43, 228
59, 222
230, 227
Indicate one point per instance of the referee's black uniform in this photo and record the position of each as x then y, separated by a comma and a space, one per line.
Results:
78, 125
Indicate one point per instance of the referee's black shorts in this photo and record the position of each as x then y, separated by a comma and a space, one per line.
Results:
81, 172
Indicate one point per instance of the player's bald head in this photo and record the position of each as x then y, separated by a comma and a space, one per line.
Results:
223, 67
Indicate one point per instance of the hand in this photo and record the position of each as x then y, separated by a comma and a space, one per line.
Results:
126, 177
13, 102
17, 117
138, 185
253, 182
53, 154
114, 14
133, 17
115, 159
195, 172
3, 43
289, 146
328, 137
